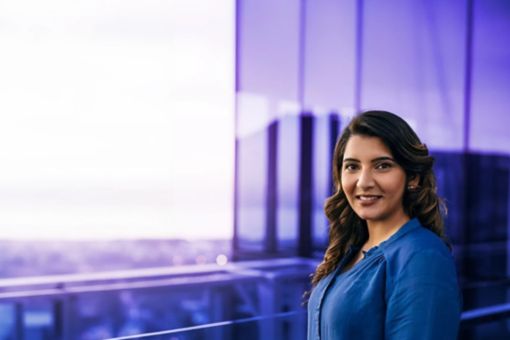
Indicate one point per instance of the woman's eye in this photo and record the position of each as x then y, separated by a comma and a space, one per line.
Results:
350, 167
383, 166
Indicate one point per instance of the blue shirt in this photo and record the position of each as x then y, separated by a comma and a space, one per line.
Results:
405, 288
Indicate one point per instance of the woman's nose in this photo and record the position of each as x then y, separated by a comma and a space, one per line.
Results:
365, 179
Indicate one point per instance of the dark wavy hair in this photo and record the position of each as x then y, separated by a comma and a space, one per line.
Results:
345, 227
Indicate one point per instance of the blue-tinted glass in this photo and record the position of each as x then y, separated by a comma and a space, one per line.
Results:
329, 55
413, 65
251, 182
7, 320
322, 177
260, 48
490, 77
268, 48
288, 180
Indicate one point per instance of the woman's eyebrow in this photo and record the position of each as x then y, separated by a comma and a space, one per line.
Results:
350, 160
378, 159
384, 158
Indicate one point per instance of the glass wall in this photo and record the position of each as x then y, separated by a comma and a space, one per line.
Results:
267, 106
443, 66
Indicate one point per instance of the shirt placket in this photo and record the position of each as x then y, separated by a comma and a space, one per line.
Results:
318, 308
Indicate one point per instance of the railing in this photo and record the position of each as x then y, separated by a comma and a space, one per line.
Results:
105, 305
258, 299
261, 327
270, 326
486, 314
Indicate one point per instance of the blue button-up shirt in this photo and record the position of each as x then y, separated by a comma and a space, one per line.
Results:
405, 288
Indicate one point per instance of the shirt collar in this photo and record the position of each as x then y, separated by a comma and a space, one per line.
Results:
405, 229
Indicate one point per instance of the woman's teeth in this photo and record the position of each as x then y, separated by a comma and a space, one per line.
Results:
368, 198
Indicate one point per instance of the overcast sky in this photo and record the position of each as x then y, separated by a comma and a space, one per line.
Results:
116, 119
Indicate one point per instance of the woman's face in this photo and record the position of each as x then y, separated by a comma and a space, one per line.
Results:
372, 181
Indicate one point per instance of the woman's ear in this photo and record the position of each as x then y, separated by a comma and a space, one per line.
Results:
413, 182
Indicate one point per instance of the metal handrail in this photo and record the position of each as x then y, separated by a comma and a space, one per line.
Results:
248, 268
485, 314
190, 275
213, 325
116, 286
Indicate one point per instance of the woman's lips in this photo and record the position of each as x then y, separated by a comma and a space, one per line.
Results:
368, 199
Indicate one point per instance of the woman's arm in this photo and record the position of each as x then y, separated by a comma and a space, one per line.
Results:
424, 302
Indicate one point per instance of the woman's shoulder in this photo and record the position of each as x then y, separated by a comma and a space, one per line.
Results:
423, 239
419, 252
415, 239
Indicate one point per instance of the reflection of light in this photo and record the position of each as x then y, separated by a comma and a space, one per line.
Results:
221, 260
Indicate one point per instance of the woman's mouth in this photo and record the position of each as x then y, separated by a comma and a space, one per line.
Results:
368, 199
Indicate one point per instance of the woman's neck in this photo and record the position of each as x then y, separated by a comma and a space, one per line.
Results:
380, 231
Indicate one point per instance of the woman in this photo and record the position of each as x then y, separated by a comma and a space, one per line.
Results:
387, 272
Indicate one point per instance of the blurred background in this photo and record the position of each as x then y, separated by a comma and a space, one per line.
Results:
165, 163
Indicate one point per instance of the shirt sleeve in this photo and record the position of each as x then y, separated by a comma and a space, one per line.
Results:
424, 302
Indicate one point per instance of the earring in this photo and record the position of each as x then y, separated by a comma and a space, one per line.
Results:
411, 187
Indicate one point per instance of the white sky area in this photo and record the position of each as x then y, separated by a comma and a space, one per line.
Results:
116, 119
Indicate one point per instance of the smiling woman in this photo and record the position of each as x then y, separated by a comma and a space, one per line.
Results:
373, 182
388, 272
